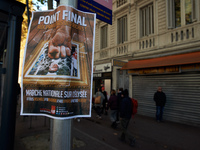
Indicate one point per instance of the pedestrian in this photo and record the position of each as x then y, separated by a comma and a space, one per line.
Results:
119, 99
98, 106
105, 101
160, 100
113, 105
125, 116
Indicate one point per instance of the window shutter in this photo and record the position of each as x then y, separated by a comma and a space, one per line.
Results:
122, 30
170, 14
104, 36
194, 10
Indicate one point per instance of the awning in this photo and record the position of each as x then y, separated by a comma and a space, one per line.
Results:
173, 60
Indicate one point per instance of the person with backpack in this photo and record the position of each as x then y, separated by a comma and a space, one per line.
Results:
98, 105
135, 106
125, 116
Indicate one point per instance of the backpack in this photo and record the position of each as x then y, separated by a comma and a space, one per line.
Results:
135, 106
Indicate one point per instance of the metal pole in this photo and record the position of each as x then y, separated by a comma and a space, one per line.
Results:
72, 3
60, 134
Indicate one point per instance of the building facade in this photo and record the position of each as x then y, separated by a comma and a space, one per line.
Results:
154, 43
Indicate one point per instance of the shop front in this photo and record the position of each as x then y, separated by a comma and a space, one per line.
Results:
110, 76
102, 77
121, 77
179, 77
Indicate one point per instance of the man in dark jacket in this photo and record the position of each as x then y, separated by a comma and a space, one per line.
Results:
160, 99
125, 116
119, 100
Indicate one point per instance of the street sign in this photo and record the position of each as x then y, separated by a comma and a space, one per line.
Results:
102, 8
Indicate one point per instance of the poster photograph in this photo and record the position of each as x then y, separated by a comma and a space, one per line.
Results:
57, 66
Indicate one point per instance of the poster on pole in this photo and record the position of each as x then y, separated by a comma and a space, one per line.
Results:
57, 67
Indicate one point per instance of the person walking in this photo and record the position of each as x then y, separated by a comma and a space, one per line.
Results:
105, 101
125, 116
119, 99
98, 105
113, 105
160, 100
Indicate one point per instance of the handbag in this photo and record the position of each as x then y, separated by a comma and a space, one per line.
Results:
97, 100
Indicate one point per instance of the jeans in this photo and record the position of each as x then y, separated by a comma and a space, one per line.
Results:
113, 115
125, 133
159, 113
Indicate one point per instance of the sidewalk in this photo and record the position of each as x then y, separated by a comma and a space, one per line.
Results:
92, 133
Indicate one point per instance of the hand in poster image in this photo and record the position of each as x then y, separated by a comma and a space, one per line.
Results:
60, 43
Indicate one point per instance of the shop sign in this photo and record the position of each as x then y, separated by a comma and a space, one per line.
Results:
56, 73
103, 68
97, 75
118, 63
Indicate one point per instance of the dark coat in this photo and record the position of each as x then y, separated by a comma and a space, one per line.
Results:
113, 102
105, 95
119, 99
126, 108
160, 98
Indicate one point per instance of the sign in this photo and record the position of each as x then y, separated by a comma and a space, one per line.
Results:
97, 75
57, 68
103, 68
118, 63
103, 8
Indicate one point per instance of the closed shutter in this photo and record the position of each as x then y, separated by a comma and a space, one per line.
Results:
123, 79
182, 92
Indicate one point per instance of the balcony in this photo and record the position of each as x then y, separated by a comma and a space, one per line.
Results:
121, 2
111, 52
147, 42
121, 49
183, 34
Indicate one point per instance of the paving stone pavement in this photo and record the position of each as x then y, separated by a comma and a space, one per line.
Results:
33, 133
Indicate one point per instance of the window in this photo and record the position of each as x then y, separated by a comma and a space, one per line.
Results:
175, 11
104, 35
190, 11
147, 20
122, 29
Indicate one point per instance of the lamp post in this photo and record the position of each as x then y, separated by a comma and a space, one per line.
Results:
60, 134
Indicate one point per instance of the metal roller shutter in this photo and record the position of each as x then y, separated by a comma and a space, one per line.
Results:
182, 91
123, 80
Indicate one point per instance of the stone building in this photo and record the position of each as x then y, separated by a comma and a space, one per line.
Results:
152, 43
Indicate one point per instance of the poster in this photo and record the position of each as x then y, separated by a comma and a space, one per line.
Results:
57, 66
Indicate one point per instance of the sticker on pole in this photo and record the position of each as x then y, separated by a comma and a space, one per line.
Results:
57, 66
